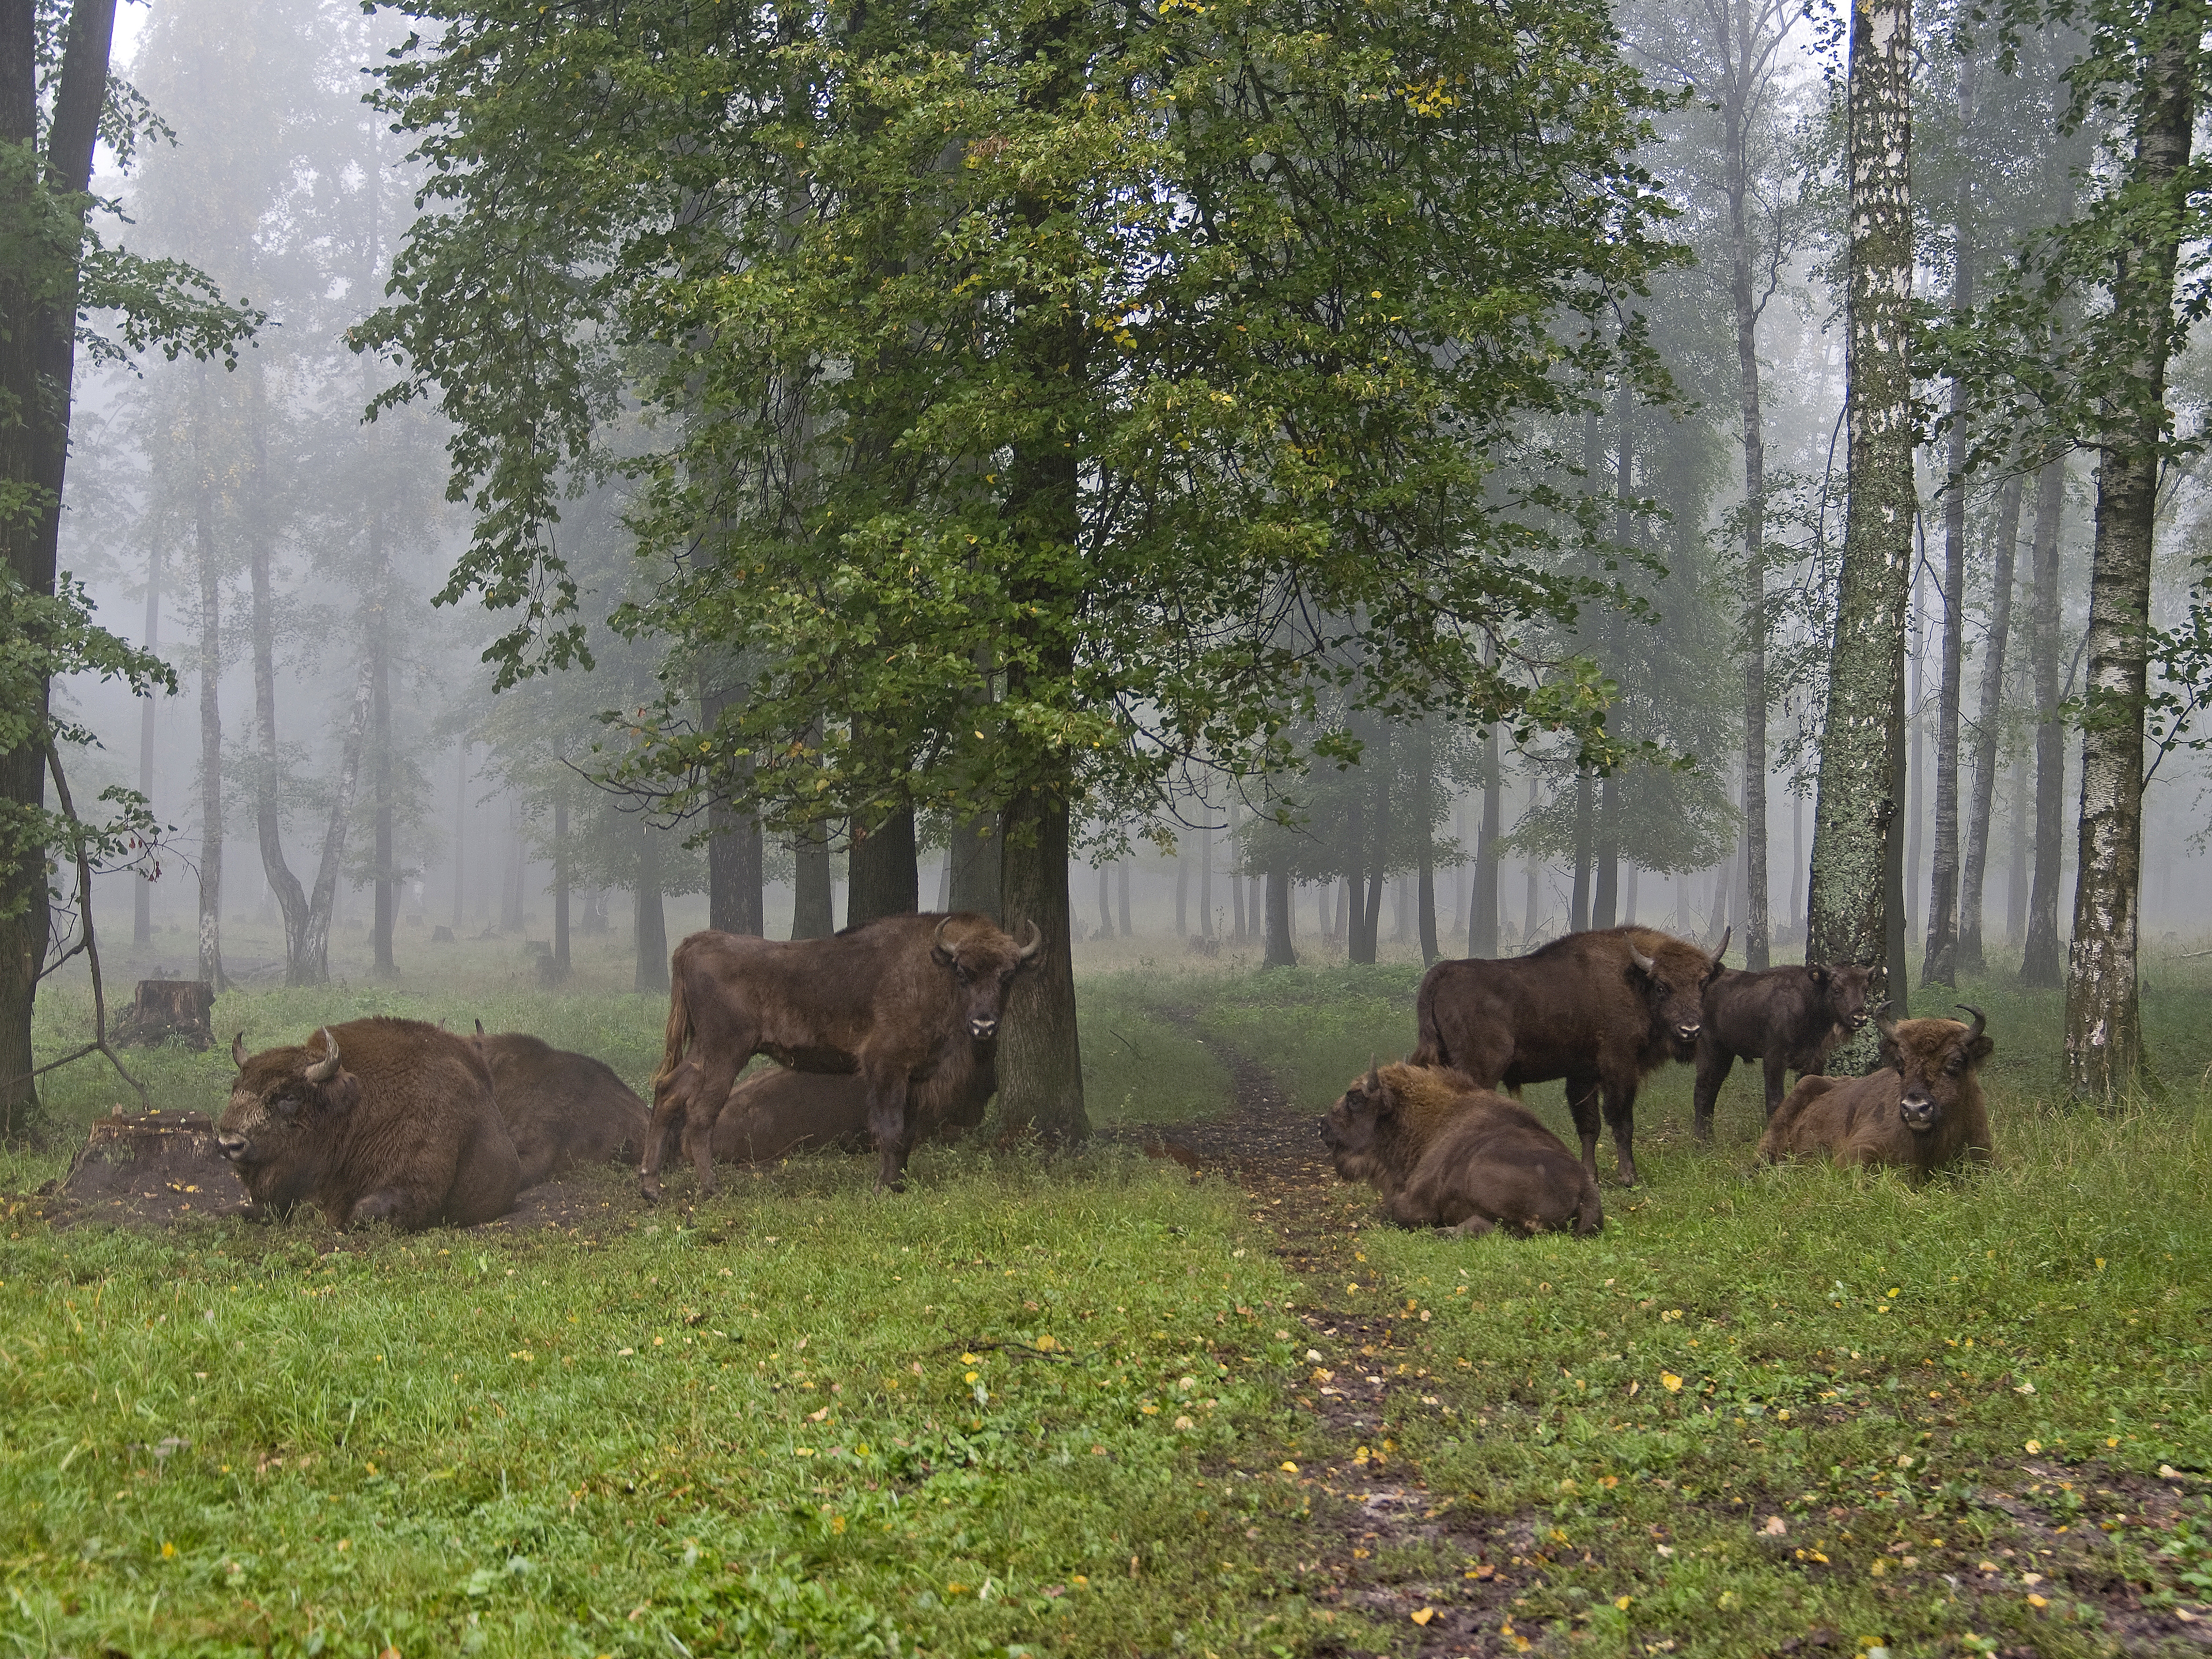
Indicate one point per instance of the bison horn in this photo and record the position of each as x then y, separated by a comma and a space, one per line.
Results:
327, 1067
1720, 950
1882, 1021
479, 1027
1975, 1030
1029, 952
238, 1051
1641, 960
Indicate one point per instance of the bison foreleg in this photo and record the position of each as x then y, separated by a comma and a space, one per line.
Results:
1620, 1117
1777, 1073
890, 1120
1582, 1101
1714, 1064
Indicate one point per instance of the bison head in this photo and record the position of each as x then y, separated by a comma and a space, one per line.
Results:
1349, 1129
1674, 976
1934, 1061
984, 961
277, 1132
1845, 990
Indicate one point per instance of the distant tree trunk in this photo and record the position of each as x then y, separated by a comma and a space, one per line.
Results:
812, 903
1894, 972
460, 825
974, 854
141, 892
1916, 727
651, 926
1279, 953
1988, 725
380, 649
1578, 907
1040, 1064
1122, 874
1940, 966
1797, 865
1425, 894
1605, 912
561, 967
1244, 928
1722, 891
510, 899
1105, 901
2104, 1027
1529, 902
2041, 955
1741, 89
1482, 902
1368, 919
211, 676
2023, 815
883, 877
1206, 875
1628, 896
1854, 819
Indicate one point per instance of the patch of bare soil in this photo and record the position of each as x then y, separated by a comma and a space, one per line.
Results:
149, 1169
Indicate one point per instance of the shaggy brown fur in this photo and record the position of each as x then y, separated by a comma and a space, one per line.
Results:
561, 1108
776, 1112
1445, 1154
375, 1120
1792, 1018
893, 999
1599, 1009
1922, 1112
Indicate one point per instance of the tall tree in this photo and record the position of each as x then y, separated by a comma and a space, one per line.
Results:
1855, 815
1988, 728
2042, 953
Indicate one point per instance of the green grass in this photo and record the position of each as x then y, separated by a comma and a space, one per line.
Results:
235, 1439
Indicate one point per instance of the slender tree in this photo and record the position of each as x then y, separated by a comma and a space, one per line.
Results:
2042, 954
1988, 729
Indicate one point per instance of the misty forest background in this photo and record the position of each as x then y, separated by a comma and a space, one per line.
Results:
751, 582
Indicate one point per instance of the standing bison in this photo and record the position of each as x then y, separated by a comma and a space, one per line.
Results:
778, 1111
896, 1000
375, 1120
1921, 1113
561, 1109
1792, 1018
1600, 1009
1444, 1153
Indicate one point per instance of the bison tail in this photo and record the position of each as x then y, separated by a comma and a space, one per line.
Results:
1590, 1214
1429, 1044
677, 1037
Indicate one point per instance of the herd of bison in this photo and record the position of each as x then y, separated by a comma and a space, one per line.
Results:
888, 1031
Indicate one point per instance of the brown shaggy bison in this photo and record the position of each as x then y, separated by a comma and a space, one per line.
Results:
1600, 1009
895, 999
777, 1111
1790, 1017
561, 1108
375, 1120
1445, 1153
1922, 1112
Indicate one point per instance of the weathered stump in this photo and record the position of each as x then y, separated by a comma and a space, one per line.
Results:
169, 1008
151, 1167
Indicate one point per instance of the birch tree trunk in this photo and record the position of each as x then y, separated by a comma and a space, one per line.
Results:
2104, 1028
1854, 816
1988, 723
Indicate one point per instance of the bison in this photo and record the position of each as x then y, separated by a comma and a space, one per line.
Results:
1792, 1018
375, 1120
561, 1108
1445, 1153
895, 999
1922, 1112
779, 1111
1599, 1009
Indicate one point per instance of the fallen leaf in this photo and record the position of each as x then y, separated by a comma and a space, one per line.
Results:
1423, 1616
1669, 1382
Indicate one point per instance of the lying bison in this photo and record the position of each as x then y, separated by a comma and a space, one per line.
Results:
561, 1108
778, 1111
1922, 1112
1600, 1009
1792, 1018
375, 1120
1444, 1153
896, 1000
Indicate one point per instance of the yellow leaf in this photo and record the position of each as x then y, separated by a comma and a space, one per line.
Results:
1423, 1616
1622, 1601
1669, 1382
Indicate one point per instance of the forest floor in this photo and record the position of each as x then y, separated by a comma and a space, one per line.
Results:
1176, 1393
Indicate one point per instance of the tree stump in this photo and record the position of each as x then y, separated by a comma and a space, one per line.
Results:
152, 1167
169, 1008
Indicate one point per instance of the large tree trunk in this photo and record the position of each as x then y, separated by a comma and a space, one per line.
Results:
1988, 725
2040, 957
211, 676
885, 879
1278, 952
734, 859
975, 858
380, 648
1854, 818
1040, 1062
142, 892
651, 926
38, 355
2104, 1028
812, 902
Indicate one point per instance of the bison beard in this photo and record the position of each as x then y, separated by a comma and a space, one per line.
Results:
559, 1109
1444, 1153
1599, 1009
895, 999
375, 1120
1922, 1112
1790, 1018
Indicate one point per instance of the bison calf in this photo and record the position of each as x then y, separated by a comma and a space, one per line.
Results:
1922, 1112
561, 1109
1792, 1018
1445, 1153
777, 1111
1600, 1009
375, 1120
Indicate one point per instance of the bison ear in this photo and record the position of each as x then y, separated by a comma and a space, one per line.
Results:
1819, 976
238, 1051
